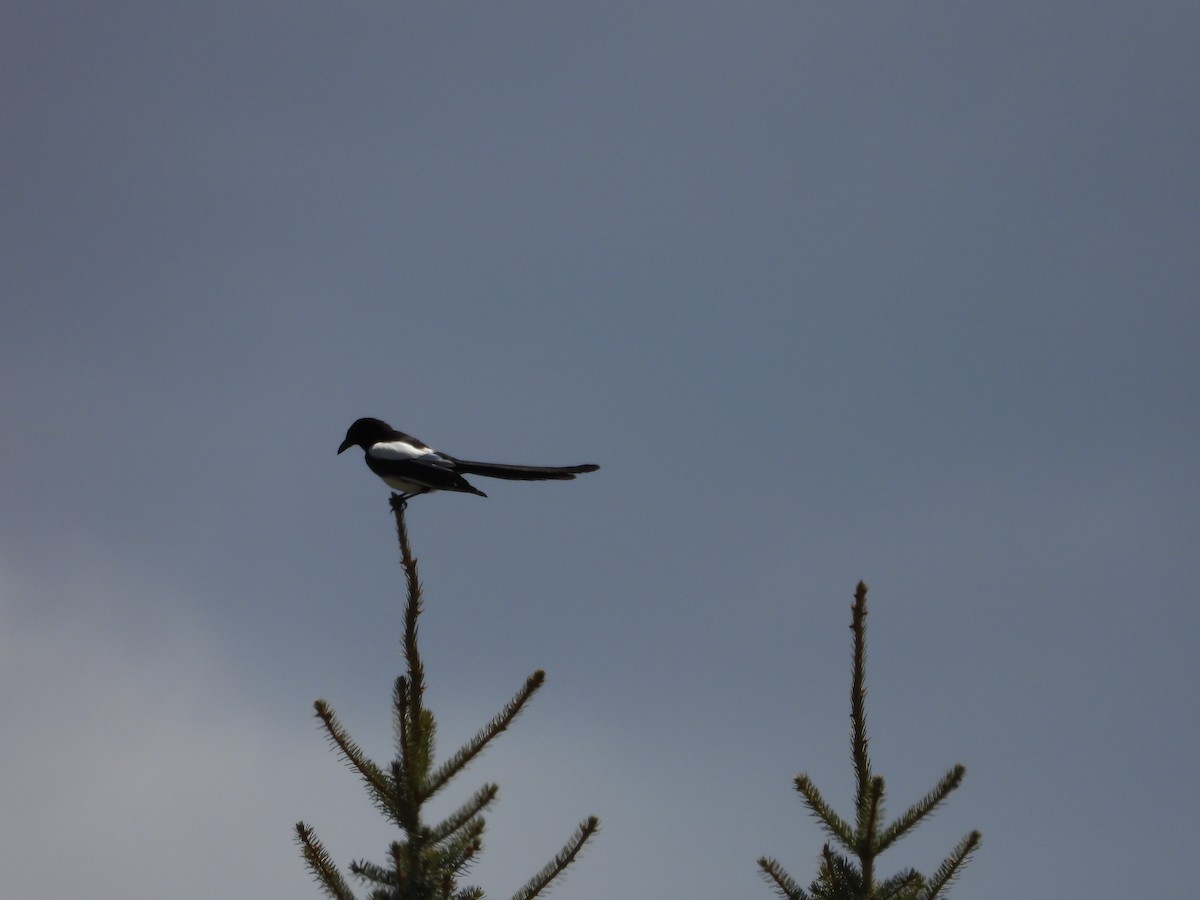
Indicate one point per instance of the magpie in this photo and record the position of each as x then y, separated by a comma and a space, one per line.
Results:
413, 467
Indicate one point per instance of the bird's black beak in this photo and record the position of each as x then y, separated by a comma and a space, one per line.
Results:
346, 445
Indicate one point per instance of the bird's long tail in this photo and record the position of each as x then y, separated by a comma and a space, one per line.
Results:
522, 473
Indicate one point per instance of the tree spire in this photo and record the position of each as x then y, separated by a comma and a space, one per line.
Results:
850, 874
430, 859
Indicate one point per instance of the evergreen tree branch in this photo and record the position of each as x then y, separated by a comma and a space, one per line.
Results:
402, 727
858, 711
321, 864
412, 611
783, 883
922, 808
456, 857
564, 858
403, 740
463, 757
838, 880
952, 866
867, 849
377, 782
368, 871
902, 886
479, 801
407, 810
837, 827
414, 725
414, 746
410, 873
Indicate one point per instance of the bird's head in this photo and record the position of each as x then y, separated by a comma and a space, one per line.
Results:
364, 433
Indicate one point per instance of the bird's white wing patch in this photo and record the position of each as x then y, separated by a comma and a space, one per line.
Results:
402, 450
398, 450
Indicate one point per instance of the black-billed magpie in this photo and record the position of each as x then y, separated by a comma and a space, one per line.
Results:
413, 467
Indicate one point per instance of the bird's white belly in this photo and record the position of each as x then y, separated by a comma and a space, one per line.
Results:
405, 487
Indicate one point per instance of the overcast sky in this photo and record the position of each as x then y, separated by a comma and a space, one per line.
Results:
897, 292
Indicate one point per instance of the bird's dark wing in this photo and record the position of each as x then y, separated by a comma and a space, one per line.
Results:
408, 467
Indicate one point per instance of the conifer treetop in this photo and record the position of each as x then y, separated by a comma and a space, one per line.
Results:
428, 862
849, 873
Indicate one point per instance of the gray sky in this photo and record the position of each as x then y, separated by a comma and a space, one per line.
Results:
894, 292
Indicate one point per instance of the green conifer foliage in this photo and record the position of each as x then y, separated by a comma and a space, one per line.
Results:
849, 874
430, 859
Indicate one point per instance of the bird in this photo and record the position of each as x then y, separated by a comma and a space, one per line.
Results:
412, 467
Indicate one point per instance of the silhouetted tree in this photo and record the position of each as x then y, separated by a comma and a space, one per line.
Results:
850, 875
429, 861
